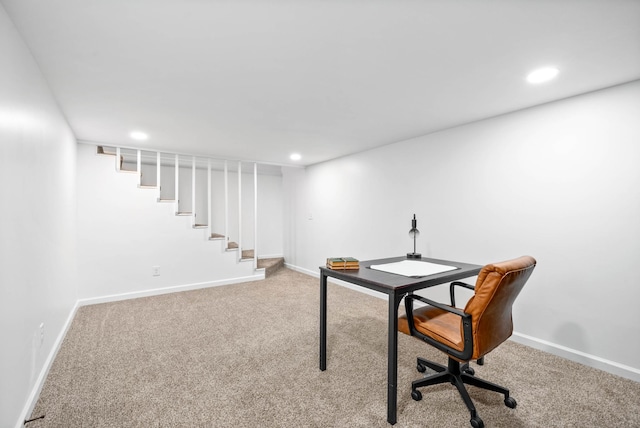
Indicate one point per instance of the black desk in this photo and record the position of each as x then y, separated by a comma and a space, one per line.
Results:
396, 287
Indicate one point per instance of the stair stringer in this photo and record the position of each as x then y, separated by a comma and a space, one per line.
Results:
136, 167
125, 232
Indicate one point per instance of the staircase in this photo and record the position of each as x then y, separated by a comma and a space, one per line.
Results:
131, 161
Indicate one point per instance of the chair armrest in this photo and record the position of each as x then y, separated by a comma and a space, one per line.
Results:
452, 289
467, 337
438, 305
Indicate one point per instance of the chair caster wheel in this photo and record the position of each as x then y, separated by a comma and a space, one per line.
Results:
510, 402
477, 422
470, 371
421, 368
416, 395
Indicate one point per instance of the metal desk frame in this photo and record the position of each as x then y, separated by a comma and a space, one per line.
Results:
395, 287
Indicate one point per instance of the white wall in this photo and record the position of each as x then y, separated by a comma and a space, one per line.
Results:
37, 226
270, 215
558, 182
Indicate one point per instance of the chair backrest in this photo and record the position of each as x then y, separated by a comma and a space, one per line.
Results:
496, 289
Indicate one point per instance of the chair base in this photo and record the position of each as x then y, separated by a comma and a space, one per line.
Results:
458, 374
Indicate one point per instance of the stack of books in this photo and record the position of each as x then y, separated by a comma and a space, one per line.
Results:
343, 263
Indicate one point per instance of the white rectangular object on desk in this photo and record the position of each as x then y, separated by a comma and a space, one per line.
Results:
414, 268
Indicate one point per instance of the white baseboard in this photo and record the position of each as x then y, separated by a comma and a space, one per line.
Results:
338, 282
578, 356
166, 290
543, 345
302, 270
540, 344
37, 388
35, 392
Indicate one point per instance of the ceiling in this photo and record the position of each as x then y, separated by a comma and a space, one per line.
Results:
259, 80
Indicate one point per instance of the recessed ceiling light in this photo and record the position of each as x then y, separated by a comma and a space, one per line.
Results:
295, 157
137, 135
542, 74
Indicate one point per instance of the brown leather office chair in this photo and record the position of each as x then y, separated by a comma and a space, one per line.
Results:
468, 334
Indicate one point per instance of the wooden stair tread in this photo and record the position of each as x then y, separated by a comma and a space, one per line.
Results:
100, 151
265, 263
270, 265
247, 254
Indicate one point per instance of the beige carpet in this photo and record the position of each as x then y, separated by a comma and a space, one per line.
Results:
246, 355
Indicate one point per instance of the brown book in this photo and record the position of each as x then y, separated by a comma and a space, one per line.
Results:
343, 263
343, 267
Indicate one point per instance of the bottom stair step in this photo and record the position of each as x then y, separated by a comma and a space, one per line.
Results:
270, 265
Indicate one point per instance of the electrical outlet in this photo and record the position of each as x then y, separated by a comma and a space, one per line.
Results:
41, 328
155, 270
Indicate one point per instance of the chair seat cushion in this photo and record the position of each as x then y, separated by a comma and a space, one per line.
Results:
440, 325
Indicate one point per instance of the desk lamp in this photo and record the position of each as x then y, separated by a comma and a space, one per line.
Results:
413, 233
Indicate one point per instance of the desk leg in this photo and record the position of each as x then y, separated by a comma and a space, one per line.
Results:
392, 359
323, 322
